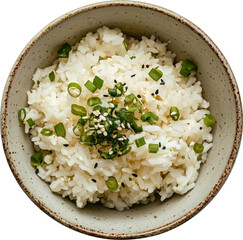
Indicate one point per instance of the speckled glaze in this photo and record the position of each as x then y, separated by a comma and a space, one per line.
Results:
220, 89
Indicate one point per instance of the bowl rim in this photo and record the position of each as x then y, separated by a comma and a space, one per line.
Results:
231, 159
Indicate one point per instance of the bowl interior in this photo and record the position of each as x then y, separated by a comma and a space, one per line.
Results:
135, 20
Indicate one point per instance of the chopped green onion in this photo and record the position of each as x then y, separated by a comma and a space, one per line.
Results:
184, 72
153, 148
135, 127
198, 148
174, 113
187, 67
64, 51
37, 159
74, 89
140, 142
93, 101
21, 114
112, 183
52, 76
78, 110
127, 150
78, 129
89, 137
132, 57
98, 82
83, 121
90, 86
60, 130
209, 120
129, 116
30, 122
129, 99
125, 44
46, 132
155, 74
38, 83
112, 92
149, 117
119, 86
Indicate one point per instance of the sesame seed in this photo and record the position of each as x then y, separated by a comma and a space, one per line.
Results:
105, 114
119, 152
99, 132
119, 128
127, 107
152, 94
157, 91
159, 144
126, 88
147, 66
102, 129
143, 66
93, 180
123, 184
162, 82
111, 104
110, 152
96, 165
135, 100
164, 147
200, 128
105, 133
115, 81
65, 145
124, 84
96, 127
129, 125
139, 96
95, 94
37, 171
105, 95
115, 136
134, 175
123, 126
133, 75
85, 117
120, 139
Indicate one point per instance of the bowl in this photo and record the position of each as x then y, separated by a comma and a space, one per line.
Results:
186, 40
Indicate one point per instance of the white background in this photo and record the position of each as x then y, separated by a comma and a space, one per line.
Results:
20, 20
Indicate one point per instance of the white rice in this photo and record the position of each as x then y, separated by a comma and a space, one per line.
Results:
69, 170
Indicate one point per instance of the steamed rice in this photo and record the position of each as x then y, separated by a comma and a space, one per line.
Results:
141, 175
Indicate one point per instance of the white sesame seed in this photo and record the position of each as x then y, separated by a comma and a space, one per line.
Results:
129, 125
96, 127
127, 107
123, 126
110, 122
118, 91
111, 105
105, 133
135, 100
110, 152
105, 114
120, 152
95, 94
119, 128
96, 113
85, 117
102, 129
120, 139
99, 132
115, 136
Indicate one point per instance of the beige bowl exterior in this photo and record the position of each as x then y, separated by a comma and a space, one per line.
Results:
220, 89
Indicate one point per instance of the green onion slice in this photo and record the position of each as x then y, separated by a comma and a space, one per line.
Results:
78, 129
90, 86
89, 137
52, 76
64, 51
140, 142
30, 122
149, 117
60, 130
112, 183
209, 120
135, 127
187, 67
78, 110
112, 92
184, 72
125, 44
37, 159
153, 148
132, 57
98, 82
93, 101
174, 113
46, 132
74, 89
129, 99
155, 74
21, 114
83, 121
198, 148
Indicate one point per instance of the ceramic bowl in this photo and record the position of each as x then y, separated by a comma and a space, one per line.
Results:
219, 86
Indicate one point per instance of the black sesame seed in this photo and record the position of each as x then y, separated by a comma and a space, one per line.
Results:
200, 128
123, 184
105, 95
162, 82
65, 145
139, 96
143, 66
124, 84
37, 171
164, 147
134, 175
96, 165
152, 94
159, 144
133, 75
157, 91
147, 66
130, 179
93, 180
115, 81
126, 88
